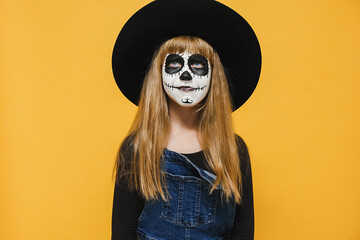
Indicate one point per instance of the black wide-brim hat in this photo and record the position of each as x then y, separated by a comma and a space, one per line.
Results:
224, 29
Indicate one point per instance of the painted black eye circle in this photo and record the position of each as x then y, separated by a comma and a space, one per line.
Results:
173, 63
198, 64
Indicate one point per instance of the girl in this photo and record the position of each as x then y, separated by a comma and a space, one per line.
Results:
181, 172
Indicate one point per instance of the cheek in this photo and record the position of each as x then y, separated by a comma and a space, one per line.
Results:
209, 76
205, 80
169, 78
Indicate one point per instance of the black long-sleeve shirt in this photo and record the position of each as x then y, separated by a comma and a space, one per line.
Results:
128, 205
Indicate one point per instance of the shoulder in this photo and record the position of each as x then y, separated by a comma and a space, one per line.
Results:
242, 147
243, 154
124, 158
127, 147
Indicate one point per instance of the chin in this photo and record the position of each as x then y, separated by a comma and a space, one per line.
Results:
187, 104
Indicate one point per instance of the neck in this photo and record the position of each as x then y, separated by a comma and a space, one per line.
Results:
184, 117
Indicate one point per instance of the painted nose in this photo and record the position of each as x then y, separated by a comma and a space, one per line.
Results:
185, 76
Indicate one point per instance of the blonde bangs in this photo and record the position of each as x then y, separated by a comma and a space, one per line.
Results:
189, 44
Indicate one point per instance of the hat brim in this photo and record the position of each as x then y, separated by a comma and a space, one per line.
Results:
224, 29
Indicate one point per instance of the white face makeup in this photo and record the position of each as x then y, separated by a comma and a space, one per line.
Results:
186, 78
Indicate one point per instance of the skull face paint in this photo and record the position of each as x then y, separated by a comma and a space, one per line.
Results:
186, 78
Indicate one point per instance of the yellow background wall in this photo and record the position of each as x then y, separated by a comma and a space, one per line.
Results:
62, 118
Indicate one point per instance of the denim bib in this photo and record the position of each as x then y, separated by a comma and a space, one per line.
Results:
191, 211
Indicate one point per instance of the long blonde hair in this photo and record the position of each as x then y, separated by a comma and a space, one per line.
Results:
140, 154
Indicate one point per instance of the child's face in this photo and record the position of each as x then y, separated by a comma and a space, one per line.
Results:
186, 78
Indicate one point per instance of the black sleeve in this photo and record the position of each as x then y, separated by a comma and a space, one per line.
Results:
127, 207
244, 217
127, 203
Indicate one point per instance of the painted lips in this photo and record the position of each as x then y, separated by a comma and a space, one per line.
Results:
186, 88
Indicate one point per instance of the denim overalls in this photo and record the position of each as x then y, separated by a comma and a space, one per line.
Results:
191, 212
